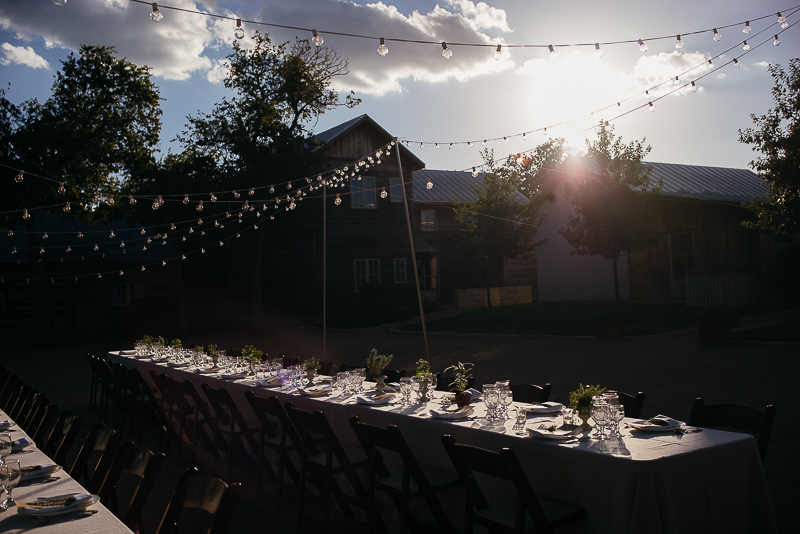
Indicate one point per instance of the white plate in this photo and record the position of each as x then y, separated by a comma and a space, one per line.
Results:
82, 504
44, 471
5, 425
647, 426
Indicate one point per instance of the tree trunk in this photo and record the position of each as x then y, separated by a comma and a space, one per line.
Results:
489, 287
616, 279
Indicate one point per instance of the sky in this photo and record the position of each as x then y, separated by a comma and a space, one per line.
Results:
418, 95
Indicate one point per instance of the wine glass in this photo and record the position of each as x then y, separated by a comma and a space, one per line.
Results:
13, 472
415, 383
491, 399
600, 414
6, 444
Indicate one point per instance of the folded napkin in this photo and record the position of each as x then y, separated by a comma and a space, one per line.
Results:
270, 383
560, 433
391, 387
376, 400
179, 364
127, 352
56, 505
316, 391
323, 379
19, 444
32, 472
208, 370
234, 376
474, 392
5, 425
461, 413
659, 423
545, 407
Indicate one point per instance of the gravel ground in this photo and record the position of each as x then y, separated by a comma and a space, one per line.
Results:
672, 369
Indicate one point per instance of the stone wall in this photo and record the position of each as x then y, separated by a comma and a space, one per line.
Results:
501, 296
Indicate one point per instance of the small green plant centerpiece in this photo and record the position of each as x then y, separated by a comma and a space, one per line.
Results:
462, 372
581, 401
212, 353
252, 355
312, 365
376, 363
423, 373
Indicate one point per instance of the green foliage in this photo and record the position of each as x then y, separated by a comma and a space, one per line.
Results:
198, 349
423, 368
252, 354
776, 137
312, 363
212, 350
582, 397
614, 205
462, 372
376, 363
175, 343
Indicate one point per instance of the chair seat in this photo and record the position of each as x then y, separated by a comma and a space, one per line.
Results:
502, 513
437, 478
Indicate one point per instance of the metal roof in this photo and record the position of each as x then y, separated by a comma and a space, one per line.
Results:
707, 183
448, 186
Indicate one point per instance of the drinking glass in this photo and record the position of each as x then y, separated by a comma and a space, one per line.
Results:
612, 399
600, 414
3, 486
491, 399
13, 472
415, 382
6, 444
520, 420
405, 390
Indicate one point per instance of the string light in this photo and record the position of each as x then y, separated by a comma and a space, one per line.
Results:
598, 53
252, 191
235, 194
747, 28
710, 64
239, 31
316, 38
67, 208
59, 2
429, 185
25, 214
717, 35
553, 53
652, 107
498, 53
382, 48
737, 62
338, 199
676, 82
156, 15
776, 42
61, 188
474, 172
20, 177
678, 42
45, 236
746, 46
131, 200
446, 52
383, 192
642, 45
782, 20
694, 87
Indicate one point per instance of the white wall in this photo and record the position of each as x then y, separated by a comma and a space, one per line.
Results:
562, 276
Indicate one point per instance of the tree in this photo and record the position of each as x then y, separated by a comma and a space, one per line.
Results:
776, 136
99, 128
613, 205
500, 220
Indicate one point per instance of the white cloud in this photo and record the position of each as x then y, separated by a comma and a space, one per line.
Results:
19, 55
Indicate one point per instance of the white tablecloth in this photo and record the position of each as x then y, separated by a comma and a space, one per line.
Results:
96, 520
704, 482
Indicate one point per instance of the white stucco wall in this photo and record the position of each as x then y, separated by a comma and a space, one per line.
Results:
564, 277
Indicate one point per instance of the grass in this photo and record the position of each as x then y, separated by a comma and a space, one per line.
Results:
575, 319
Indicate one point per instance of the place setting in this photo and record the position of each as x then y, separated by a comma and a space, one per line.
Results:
60, 505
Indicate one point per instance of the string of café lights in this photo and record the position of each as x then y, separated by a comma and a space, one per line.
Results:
342, 171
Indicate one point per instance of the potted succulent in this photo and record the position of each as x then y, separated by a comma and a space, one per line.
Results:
714, 324
607, 322
252, 355
312, 365
376, 363
581, 401
462, 372
423, 373
212, 352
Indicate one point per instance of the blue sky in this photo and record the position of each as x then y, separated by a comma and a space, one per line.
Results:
416, 94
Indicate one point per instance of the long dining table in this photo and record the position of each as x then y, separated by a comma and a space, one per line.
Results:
706, 481
94, 519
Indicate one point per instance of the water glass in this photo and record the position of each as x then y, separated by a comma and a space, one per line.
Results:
405, 390
6, 444
11, 479
491, 398
600, 414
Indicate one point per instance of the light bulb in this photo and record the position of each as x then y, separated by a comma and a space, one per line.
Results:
553, 53
252, 191
156, 15
61, 188
784, 24
717, 35
338, 199
25, 214
498, 53
483, 143
45, 236
66, 207
289, 185
199, 206
746, 46
429, 185
677, 81
213, 197
446, 52
382, 48
710, 65
449, 147
183, 256
436, 145
747, 28
69, 248
642, 45
131, 200
235, 194
316, 38
112, 234
652, 107
694, 87
41, 251
20, 177
678, 42
737, 62
59, 2
421, 146
96, 247
474, 172
239, 31
776, 42
781, 19
383, 192
598, 53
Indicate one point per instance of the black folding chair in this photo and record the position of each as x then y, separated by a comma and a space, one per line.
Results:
205, 496
231, 431
736, 417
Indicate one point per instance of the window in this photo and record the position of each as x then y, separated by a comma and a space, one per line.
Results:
428, 220
395, 193
124, 294
681, 254
465, 221
367, 272
399, 270
363, 193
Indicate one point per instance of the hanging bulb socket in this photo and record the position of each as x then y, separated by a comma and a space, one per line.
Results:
694, 87
446, 52
239, 31
156, 15
316, 38
737, 62
598, 52
498, 53
382, 48
552, 51
21, 176
745, 46
652, 107
717, 35
776, 42
642, 45
747, 28
678, 42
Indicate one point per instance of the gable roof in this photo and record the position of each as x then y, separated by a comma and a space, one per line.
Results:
448, 186
707, 183
332, 134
